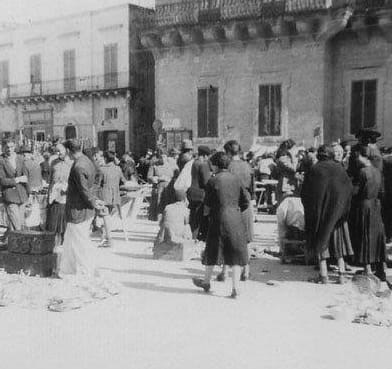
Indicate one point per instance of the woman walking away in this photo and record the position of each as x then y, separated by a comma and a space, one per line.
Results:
366, 211
226, 239
326, 196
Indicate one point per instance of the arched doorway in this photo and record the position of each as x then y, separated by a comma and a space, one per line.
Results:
70, 132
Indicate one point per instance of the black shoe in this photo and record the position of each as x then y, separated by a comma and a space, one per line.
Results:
234, 294
198, 282
244, 277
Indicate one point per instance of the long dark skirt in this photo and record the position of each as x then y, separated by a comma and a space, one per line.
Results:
226, 239
368, 232
156, 197
56, 220
339, 243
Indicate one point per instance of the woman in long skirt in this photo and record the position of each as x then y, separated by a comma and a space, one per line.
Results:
369, 236
227, 236
326, 195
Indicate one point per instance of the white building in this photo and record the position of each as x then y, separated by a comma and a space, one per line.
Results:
78, 76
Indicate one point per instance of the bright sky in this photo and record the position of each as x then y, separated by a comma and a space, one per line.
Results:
22, 11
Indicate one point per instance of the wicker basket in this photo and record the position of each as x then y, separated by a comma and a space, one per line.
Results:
31, 242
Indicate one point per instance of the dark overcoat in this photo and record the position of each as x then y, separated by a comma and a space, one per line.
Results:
227, 236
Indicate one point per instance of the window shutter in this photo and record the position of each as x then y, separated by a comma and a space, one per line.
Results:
356, 106
276, 99
101, 141
120, 143
35, 68
213, 103
202, 112
4, 74
263, 110
370, 102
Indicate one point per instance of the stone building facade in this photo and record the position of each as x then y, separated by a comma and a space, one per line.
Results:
80, 76
263, 71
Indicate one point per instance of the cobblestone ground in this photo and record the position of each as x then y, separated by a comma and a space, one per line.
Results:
159, 320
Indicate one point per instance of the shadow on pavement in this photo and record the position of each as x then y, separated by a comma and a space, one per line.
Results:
134, 256
265, 270
157, 288
153, 273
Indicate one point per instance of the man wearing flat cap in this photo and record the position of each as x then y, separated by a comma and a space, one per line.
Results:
201, 173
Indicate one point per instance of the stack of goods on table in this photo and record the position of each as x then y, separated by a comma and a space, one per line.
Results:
31, 252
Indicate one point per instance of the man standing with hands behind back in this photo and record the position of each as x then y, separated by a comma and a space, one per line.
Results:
81, 203
13, 181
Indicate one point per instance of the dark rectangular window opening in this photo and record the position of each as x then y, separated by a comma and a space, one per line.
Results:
363, 105
4, 75
270, 110
110, 66
207, 112
69, 71
110, 113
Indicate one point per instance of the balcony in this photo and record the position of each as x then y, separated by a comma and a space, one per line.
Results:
80, 86
199, 11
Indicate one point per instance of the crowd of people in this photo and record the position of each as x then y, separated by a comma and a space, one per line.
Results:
207, 195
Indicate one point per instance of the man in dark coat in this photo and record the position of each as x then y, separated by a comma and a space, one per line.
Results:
201, 173
326, 196
80, 208
13, 181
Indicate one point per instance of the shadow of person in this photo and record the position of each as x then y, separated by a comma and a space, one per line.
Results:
134, 256
153, 273
157, 288
267, 269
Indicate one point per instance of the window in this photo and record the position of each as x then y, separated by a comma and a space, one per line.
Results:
110, 66
207, 112
363, 104
69, 70
70, 132
35, 68
110, 113
4, 75
40, 135
35, 74
270, 109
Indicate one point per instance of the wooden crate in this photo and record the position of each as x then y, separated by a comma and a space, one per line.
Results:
34, 265
31, 242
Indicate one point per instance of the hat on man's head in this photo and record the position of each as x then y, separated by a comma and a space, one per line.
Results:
187, 145
367, 133
203, 150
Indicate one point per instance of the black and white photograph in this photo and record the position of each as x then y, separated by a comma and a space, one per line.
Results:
195, 184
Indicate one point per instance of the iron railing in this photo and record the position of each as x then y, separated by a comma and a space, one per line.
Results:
196, 11
69, 85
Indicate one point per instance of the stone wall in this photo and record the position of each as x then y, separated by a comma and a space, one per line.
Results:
353, 60
238, 70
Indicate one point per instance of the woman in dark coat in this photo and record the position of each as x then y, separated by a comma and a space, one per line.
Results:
369, 236
326, 196
225, 200
243, 171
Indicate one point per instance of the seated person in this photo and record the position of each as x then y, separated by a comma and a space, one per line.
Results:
174, 224
291, 220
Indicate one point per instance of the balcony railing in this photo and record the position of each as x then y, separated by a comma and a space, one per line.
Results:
199, 11
68, 86
196, 11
